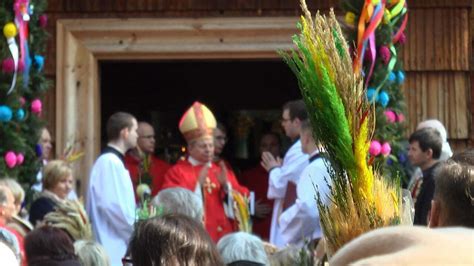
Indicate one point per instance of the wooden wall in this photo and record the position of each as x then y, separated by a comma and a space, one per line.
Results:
437, 56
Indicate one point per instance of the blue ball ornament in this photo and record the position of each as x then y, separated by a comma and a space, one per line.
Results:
402, 157
5, 113
39, 62
389, 161
392, 77
38, 150
371, 95
20, 114
383, 98
400, 77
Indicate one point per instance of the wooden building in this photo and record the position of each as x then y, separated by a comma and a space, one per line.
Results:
84, 34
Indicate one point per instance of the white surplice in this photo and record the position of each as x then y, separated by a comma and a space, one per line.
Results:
111, 205
300, 222
293, 164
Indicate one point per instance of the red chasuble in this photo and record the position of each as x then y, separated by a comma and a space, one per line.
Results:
158, 168
256, 180
184, 174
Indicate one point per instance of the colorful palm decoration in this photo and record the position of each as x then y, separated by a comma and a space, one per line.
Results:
343, 123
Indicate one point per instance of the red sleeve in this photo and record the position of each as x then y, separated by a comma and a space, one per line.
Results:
235, 184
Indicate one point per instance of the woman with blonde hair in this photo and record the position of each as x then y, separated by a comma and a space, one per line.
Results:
57, 183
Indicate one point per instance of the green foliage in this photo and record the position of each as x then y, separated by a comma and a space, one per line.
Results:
21, 135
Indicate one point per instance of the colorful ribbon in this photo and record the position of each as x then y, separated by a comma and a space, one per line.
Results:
21, 20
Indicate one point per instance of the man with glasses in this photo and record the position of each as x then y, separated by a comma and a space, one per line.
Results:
143, 165
284, 175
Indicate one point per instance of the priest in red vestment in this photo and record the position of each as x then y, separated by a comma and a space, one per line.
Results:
256, 180
144, 167
198, 173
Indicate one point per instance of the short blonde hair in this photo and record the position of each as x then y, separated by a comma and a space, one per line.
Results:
16, 189
53, 172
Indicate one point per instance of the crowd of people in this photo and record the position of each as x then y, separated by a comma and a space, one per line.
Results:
197, 214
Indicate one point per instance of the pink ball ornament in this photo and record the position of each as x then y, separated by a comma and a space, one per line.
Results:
402, 39
10, 159
391, 116
21, 66
8, 66
22, 101
386, 149
385, 54
401, 118
20, 158
375, 148
43, 21
36, 106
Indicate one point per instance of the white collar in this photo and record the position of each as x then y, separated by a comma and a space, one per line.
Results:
195, 162
116, 147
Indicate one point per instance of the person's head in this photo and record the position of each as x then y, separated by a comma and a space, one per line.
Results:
220, 138
123, 127
453, 200
425, 147
47, 245
308, 144
446, 151
45, 142
146, 137
465, 157
57, 178
91, 253
16, 189
270, 142
202, 149
172, 239
287, 256
294, 112
180, 200
7, 204
242, 247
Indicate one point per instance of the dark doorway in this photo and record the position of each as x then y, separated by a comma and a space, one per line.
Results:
161, 91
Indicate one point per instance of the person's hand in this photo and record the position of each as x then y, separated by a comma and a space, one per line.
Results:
262, 209
203, 174
269, 162
222, 177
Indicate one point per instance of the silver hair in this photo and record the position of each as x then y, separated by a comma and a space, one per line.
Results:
91, 253
180, 200
242, 246
4, 195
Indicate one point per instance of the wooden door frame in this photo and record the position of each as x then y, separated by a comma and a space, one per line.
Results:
81, 43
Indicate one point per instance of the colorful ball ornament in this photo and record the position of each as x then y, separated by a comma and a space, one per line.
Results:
9, 30
39, 62
143, 189
402, 39
21, 66
385, 149
385, 54
36, 106
20, 158
392, 77
22, 101
400, 118
43, 21
402, 157
383, 98
375, 148
20, 114
391, 116
400, 77
10, 159
8, 66
350, 18
38, 150
5, 113
371, 95
389, 161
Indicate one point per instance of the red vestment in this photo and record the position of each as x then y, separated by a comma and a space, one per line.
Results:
256, 180
157, 170
184, 174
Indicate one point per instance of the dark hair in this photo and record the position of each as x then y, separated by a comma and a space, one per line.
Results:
172, 239
221, 127
47, 245
116, 123
428, 138
454, 189
466, 157
297, 109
